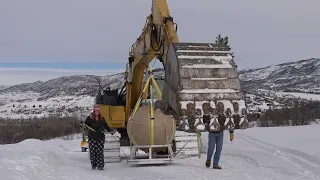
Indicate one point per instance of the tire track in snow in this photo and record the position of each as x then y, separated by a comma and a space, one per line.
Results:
112, 171
314, 162
43, 165
298, 159
254, 165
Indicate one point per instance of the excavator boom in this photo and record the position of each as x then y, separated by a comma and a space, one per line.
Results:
158, 33
202, 87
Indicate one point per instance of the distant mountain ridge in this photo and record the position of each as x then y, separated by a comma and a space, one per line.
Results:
68, 85
300, 76
2, 87
75, 94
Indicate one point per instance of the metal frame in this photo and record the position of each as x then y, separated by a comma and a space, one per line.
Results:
151, 158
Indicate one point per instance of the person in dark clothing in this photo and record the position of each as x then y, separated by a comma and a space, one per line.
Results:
97, 124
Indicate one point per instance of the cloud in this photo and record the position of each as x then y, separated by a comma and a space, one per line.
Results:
12, 76
260, 32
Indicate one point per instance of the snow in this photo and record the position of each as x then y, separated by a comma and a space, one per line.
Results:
67, 95
242, 104
23, 104
227, 104
192, 91
301, 71
200, 127
206, 51
212, 105
279, 153
184, 104
211, 66
199, 104
315, 97
208, 79
223, 59
2, 87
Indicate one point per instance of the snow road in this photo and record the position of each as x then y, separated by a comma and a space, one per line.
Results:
258, 153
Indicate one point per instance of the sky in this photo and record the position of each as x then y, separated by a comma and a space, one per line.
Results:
40, 40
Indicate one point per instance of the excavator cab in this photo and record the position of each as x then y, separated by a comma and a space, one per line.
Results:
112, 103
112, 107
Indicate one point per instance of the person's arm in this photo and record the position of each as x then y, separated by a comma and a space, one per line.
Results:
106, 126
87, 122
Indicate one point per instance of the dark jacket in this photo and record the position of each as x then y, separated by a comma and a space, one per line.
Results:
229, 126
98, 126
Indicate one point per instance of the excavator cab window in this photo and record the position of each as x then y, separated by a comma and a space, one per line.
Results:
110, 97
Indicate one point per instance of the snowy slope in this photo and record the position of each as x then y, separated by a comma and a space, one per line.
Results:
21, 105
264, 88
68, 95
283, 153
303, 76
61, 96
273, 85
2, 87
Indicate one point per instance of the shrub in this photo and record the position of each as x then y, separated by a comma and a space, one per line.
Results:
16, 130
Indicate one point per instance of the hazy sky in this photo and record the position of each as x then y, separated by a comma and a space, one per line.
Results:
64, 32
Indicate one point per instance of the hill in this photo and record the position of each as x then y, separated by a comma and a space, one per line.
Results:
273, 85
265, 87
300, 76
2, 87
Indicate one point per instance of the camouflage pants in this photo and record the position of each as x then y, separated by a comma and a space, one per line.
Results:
96, 152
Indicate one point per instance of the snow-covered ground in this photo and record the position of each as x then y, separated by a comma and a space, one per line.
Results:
279, 153
17, 105
307, 96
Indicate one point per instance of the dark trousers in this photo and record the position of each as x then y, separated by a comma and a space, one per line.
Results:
96, 147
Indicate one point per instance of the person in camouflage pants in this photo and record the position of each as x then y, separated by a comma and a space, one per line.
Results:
96, 137
96, 153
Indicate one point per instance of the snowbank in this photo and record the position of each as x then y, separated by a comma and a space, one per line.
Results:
255, 154
299, 138
307, 96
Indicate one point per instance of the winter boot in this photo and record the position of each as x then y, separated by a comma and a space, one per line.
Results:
208, 163
100, 168
216, 167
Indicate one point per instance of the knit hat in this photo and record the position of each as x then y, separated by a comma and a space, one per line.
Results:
96, 108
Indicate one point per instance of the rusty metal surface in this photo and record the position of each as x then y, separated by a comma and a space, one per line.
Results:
210, 84
208, 96
202, 80
207, 72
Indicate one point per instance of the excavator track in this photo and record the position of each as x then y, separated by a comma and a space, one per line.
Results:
203, 88
186, 144
112, 148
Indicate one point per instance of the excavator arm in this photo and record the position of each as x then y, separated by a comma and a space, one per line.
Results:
158, 33
202, 86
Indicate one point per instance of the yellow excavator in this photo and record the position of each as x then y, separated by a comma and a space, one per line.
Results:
201, 86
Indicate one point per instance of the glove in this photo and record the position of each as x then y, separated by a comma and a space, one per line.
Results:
231, 136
